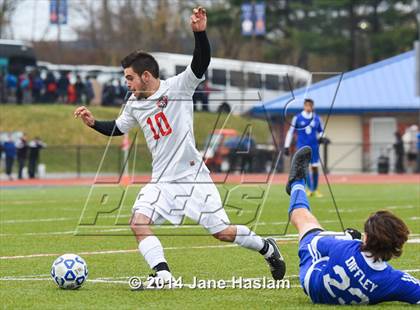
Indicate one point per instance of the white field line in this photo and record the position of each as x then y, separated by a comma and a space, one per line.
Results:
343, 210
59, 219
118, 251
53, 219
287, 237
291, 237
112, 281
30, 202
124, 280
188, 226
400, 207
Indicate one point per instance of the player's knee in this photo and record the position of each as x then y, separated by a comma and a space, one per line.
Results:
140, 225
226, 235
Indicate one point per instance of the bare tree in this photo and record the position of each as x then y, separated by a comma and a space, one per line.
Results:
7, 9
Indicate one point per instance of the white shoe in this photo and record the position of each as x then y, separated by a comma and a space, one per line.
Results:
160, 280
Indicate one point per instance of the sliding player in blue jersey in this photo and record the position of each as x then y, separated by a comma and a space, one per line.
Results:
334, 268
309, 129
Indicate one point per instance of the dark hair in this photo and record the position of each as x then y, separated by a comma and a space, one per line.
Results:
308, 100
385, 235
141, 61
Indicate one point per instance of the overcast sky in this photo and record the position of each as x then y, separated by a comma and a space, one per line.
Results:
31, 21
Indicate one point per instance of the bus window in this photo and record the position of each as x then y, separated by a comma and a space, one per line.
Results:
218, 77
272, 82
287, 83
300, 83
179, 69
237, 78
254, 80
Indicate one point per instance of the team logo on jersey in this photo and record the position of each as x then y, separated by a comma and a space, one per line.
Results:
162, 102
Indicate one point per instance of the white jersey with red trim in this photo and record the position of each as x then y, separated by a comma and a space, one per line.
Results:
166, 119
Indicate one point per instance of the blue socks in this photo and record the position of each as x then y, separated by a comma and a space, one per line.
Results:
309, 180
298, 197
315, 177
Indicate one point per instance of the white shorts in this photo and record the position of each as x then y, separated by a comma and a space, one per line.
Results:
195, 197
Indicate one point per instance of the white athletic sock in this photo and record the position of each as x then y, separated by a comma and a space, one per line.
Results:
152, 251
248, 239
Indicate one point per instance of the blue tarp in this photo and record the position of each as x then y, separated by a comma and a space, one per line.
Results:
388, 85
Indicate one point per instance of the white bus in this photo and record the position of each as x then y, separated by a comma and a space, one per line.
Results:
234, 85
237, 85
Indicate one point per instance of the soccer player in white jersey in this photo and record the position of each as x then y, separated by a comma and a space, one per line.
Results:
181, 184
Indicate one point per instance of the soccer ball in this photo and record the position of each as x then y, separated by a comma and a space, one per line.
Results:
69, 271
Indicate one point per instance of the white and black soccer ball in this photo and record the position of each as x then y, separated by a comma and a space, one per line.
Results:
69, 271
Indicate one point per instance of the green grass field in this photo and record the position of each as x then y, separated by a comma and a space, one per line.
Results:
44, 220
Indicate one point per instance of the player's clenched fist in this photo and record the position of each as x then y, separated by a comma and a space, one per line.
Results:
199, 19
85, 115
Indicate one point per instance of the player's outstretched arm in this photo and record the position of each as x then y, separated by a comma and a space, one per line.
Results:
85, 115
201, 55
289, 137
107, 128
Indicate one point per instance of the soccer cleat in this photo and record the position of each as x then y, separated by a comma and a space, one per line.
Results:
354, 233
299, 166
276, 261
156, 281
308, 193
318, 194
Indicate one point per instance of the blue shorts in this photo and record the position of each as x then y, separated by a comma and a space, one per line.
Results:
315, 153
306, 254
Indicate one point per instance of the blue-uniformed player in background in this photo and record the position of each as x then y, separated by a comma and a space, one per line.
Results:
339, 268
309, 130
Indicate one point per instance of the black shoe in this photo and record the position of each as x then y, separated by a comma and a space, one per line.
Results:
276, 261
299, 166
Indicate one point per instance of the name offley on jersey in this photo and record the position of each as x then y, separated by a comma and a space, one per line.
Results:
367, 284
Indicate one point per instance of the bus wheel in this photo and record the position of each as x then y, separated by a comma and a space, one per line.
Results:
224, 108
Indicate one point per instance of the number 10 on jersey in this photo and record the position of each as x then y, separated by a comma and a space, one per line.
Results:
162, 123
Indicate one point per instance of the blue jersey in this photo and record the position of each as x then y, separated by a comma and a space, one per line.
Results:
337, 272
308, 126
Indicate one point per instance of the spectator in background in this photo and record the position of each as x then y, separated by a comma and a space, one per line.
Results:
62, 85
19, 91
71, 94
51, 88
1, 153
34, 149
11, 85
119, 91
22, 154
80, 89
243, 148
399, 153
37, 86
89, 94
108, 94
9, 148
2, 86
410, 145
418, 152
25, 84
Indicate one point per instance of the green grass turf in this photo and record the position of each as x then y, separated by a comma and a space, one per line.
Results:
54, 213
